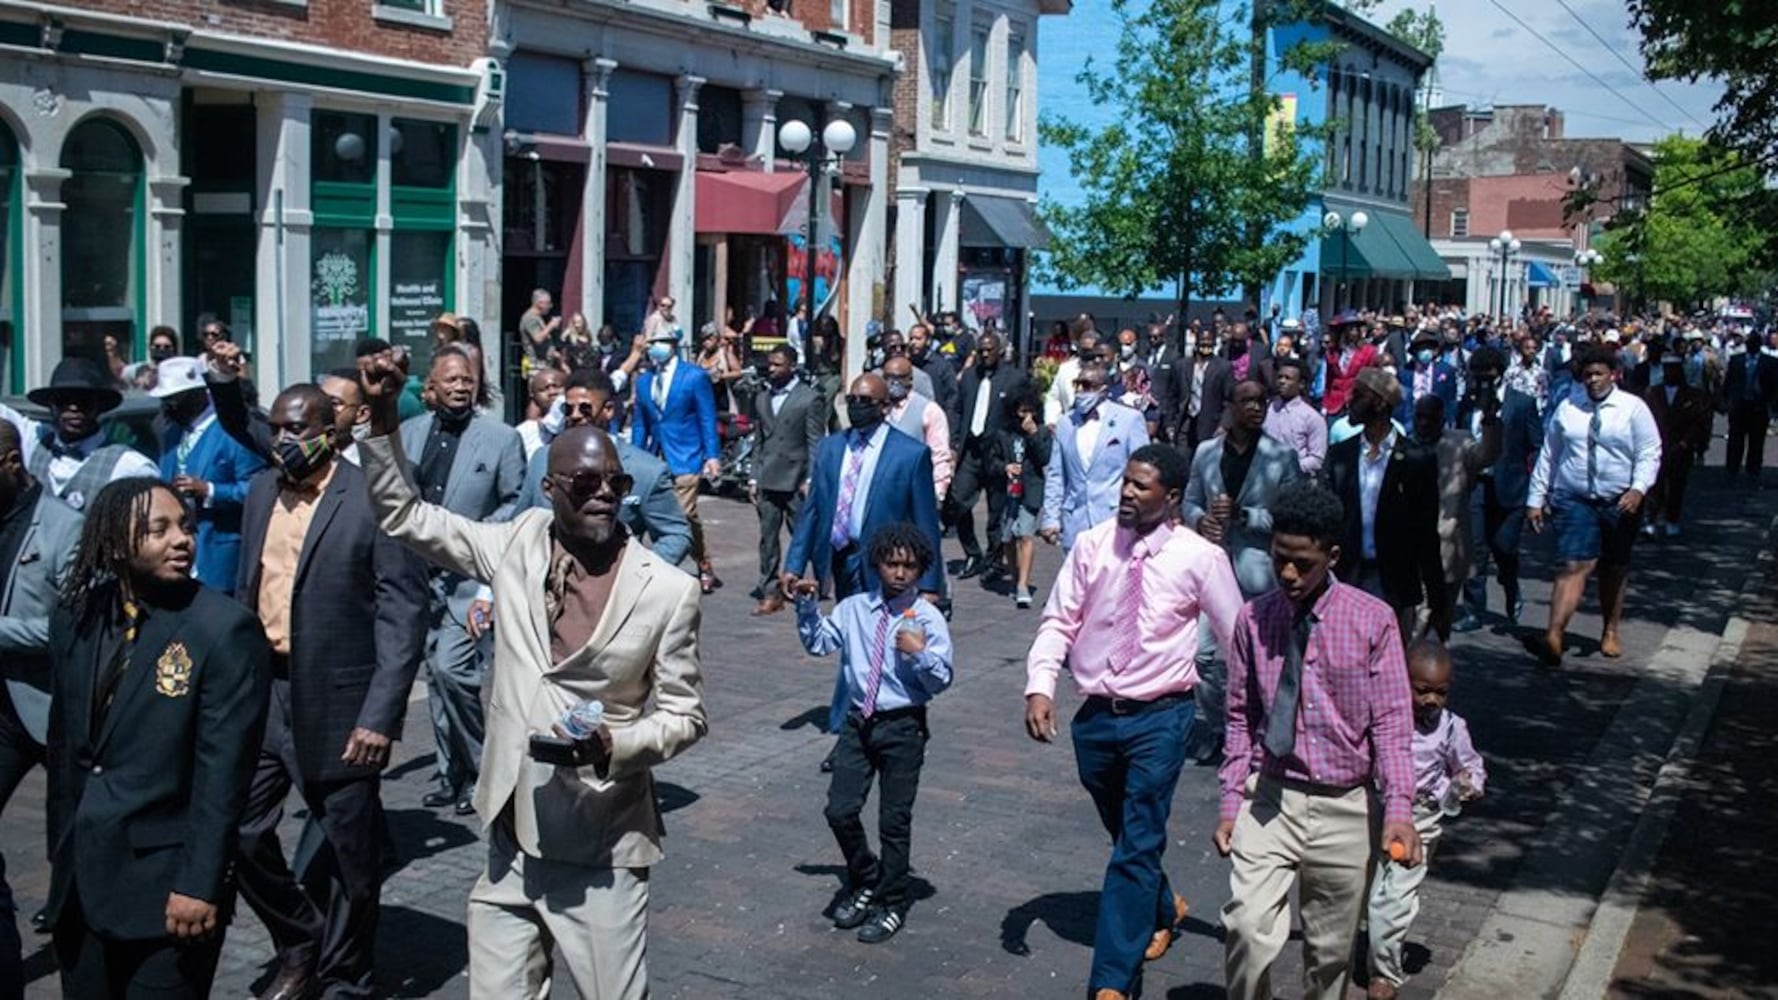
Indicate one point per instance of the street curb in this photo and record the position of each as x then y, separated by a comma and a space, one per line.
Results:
1596, 960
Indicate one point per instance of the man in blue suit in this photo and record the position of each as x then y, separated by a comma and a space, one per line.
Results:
206, 467
1425, 375
1497, 508
676, 420
1085, 475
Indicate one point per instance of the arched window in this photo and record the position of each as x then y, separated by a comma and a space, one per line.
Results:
102, 237
11, 354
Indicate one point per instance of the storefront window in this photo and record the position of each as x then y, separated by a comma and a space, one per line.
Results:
339, 295
344, 147
419, 288
422, 154
11, 374
543, 94
101, 238
640, 108
637, 205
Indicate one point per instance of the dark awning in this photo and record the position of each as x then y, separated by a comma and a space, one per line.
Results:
1389, 247
989, 221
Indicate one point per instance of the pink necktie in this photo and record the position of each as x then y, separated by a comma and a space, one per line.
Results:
1129, 611
879, 653
842, 511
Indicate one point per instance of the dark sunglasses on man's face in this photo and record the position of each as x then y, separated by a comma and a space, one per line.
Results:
863, 401
587, 485
581, 409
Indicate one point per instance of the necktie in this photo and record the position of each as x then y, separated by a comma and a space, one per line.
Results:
1129, 610
1593, 454
842, 510
660, 388
978, 421
1280, 738
879, 652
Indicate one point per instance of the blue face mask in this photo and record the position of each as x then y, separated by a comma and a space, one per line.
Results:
1424, 355
659, 352
1087, 402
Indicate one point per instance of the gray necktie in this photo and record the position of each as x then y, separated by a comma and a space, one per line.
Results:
1593, 454
1280, 738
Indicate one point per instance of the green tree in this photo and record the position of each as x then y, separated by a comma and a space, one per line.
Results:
1186, 187
1696, 238
1731, 41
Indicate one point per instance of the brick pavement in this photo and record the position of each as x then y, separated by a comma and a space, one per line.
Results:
1006, 844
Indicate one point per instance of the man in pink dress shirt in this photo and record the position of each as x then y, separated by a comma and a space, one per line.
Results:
1320, 726
1124, 617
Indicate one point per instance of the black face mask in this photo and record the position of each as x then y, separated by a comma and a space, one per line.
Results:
162, 353
301, 458
864, 417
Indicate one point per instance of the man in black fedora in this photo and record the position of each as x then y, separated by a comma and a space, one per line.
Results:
68, 454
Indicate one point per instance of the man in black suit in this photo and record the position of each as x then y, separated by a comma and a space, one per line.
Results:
1749, 394
1201, 391
343, 607
159, 702
937, 367
1163, 361
1388, 485
788, 425
981, 403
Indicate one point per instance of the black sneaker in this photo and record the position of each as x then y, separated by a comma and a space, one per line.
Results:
881, 926
854, 909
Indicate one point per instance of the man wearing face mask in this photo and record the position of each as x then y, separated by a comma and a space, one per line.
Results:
675, 420
936, 367
343, 606
981, 401
919, 417
163, 344
894, 345
1426, 374
68, 454
1059, 399
207, 468
351, 419
1085, 475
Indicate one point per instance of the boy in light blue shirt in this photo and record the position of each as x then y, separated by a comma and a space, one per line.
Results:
895, 655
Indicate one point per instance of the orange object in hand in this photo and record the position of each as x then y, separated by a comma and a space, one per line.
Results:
1398, 851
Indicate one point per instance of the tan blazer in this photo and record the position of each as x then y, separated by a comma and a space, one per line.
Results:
646, 645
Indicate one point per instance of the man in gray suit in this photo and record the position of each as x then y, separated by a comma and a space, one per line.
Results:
1236, 476
1085, 476
789, 422
38, 536
471, 465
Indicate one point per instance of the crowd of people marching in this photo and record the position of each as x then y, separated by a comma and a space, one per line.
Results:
1271, 528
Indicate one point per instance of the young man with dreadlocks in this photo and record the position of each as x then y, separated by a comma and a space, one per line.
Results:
159, 701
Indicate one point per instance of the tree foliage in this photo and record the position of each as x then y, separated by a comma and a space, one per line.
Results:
1185, 188
1696, 239
1732, 41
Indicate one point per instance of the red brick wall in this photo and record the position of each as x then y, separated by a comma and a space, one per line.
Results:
815, 15
337, 24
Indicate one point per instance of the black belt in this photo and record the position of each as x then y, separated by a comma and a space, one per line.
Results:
280, 663
888, 714
1134, 706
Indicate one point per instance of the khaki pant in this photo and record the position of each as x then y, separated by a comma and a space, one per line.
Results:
1395, 901
1289, 833
685, 490
522, 908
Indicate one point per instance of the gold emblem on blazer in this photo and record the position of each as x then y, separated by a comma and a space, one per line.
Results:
172, 672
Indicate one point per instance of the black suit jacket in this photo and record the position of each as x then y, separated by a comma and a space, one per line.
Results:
784, 443
148, 805
1219, 387
1734, 385
1005, 381
357, 620
1163, 368
1406, 522
943, 374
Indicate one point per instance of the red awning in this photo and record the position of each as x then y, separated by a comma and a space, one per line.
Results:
748, 201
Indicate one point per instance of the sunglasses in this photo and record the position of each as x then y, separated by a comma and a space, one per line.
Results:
587, 485
863, 401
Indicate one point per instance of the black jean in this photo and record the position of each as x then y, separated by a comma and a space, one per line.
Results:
892, 748
973, 477
1747, 434
1496, 529
102, 968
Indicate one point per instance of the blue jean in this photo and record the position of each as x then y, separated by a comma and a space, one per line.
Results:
1130, 765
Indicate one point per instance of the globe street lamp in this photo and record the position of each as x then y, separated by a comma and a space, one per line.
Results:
798, 139
1332, 222
1504, 247
1585, 259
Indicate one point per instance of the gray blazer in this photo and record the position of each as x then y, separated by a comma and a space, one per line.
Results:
1077, 495
1248, 540
31, 594
484, 485
784, 443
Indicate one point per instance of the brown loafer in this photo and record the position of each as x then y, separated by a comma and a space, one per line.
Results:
1108, 995
771, 604
1163, 938
1610, 647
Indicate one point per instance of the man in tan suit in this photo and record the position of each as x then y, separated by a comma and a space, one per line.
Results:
582, 613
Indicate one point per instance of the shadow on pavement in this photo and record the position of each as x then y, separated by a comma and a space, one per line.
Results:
424, 762
671, 797
422, 952
1069, 915
421, 833
814, 718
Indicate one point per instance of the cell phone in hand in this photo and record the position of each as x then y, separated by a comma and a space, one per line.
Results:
554, 750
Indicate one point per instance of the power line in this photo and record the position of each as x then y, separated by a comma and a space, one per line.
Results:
1571, 61
1619, 56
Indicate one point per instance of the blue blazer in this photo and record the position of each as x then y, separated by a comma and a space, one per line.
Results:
228, 466
1078, 495
1444, 386
684, 431
650, 510
901, 489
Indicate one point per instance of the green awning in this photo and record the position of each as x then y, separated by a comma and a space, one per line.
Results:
1425, 261
1388, 247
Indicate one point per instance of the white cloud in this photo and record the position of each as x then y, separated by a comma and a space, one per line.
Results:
1489, 59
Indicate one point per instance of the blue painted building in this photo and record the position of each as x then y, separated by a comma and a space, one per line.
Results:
1368, 92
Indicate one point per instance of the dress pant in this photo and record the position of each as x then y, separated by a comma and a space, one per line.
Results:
524, 909
1395, 901
1287, 833
456, 665
1666, 498
971, 478
891, 746
19, 753
1747, 435
1495, 529
95, 967
685, 490
329, 919
1370, 580
777, 509
1129, 763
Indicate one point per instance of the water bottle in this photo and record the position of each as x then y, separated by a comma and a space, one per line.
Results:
1015, 485
583, 719
910, 622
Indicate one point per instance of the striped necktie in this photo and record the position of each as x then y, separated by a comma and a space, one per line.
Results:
873, 682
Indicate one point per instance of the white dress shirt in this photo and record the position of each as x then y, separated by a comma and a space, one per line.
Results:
1625, 454
1370, 487
1086, 437
63, 467
873, 452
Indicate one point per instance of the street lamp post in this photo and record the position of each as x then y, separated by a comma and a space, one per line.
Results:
1333, 222
1504, 247
798, 139
1585, 260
